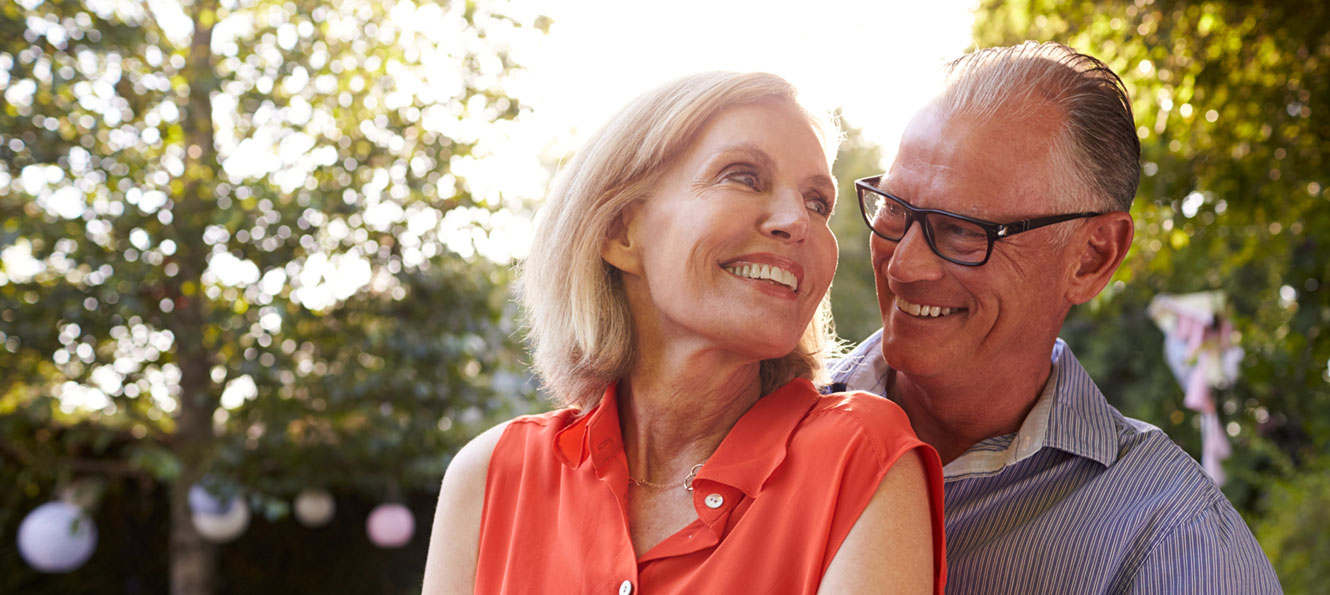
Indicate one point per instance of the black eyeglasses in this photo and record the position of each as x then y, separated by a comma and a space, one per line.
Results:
956, 238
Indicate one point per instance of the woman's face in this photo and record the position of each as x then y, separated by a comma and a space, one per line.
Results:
732, 251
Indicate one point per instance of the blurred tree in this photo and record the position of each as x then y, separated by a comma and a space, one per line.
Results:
853, 294
225, 231
1232, 102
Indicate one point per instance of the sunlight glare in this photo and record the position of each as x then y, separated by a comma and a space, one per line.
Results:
874, 62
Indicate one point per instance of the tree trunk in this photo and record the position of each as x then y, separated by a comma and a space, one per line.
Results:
193, 560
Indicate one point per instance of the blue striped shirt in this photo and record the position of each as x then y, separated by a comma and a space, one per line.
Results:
1082, 499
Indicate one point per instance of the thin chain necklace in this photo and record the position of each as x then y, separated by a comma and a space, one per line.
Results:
686, 484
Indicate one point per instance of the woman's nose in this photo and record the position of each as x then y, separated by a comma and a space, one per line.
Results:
788, 217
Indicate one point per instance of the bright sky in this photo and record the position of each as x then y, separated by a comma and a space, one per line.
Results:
876, 61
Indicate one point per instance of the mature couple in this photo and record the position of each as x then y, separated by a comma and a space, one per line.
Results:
676, 296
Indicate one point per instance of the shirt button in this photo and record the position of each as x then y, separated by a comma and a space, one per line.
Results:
714, 500
625, 588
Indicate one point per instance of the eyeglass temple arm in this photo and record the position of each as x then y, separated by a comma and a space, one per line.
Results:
1011, 229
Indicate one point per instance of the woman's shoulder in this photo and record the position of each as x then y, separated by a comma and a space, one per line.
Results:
871, 418
468, 468
476, 455
861, 406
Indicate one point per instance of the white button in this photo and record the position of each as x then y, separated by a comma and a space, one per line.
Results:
714, 500
625, 587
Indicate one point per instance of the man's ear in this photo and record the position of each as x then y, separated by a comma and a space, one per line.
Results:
1097, 249
620, 246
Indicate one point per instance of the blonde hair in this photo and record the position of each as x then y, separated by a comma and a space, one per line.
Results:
579, 324
1096, 151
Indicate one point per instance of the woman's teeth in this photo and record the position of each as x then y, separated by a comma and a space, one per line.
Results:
922, 311
765, 272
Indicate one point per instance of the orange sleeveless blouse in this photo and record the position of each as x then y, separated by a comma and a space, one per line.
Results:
774, 502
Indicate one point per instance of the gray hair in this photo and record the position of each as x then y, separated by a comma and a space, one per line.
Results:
1096, 150
578, 320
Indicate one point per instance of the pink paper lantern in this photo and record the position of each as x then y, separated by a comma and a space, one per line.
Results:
390, 525
56, 537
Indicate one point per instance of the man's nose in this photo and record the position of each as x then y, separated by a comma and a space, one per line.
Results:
913, 259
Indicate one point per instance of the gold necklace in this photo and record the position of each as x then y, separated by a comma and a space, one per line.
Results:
687, 482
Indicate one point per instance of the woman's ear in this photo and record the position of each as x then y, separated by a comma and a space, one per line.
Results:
620, 245
1098, 249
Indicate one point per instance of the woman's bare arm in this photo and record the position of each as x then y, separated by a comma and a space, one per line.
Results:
455, 539
890, 547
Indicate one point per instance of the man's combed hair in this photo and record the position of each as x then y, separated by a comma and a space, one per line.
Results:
1097, 148
578, 321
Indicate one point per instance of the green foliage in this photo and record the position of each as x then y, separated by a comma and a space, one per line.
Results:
853, 294
227, 232
1231, 100
1292, 531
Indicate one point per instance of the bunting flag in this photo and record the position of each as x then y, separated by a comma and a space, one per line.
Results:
1199, 350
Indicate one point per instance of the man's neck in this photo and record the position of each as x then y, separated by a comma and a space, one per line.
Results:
952, 413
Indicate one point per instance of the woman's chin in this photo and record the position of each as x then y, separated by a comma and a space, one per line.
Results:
768, 350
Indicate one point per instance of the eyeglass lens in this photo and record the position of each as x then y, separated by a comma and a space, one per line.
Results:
950, 237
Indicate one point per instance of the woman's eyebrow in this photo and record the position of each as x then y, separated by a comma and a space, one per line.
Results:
763, 160
823, 182
751, 151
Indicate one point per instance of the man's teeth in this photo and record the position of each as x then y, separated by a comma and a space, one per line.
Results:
765, 272
922, 311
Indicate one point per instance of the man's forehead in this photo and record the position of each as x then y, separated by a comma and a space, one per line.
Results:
973, 165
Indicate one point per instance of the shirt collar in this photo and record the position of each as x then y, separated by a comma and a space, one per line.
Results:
757, 444
596, 435
1081, 421
1070, 414
994, 454
747, 456
863, 368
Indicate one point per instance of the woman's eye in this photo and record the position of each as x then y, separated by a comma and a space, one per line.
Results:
746, 177
818, 205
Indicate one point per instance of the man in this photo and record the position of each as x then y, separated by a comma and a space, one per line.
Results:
1049, 489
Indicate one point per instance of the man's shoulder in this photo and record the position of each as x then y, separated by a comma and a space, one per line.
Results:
1134, 452
1152, 473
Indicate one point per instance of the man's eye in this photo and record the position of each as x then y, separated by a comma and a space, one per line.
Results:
960, 231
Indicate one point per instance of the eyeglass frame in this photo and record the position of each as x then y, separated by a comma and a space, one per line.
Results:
994, 231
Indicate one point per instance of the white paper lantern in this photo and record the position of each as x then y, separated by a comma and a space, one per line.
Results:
200, 501
314, 507
223, 527
56, 537
390, 525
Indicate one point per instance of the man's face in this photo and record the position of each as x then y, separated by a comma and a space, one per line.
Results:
991, 317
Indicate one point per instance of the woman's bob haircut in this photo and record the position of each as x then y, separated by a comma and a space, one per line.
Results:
579, 324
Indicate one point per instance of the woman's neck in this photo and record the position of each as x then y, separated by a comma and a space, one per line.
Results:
676, 408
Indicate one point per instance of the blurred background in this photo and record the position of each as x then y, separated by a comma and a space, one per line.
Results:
256, 256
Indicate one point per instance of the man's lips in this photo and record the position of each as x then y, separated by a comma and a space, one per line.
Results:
924, 310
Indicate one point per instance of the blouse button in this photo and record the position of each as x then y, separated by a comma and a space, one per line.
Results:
626, 588
714, 500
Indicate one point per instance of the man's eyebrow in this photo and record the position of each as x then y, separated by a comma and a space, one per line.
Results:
975, 211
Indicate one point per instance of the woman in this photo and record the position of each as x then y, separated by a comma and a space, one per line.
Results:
675, 292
